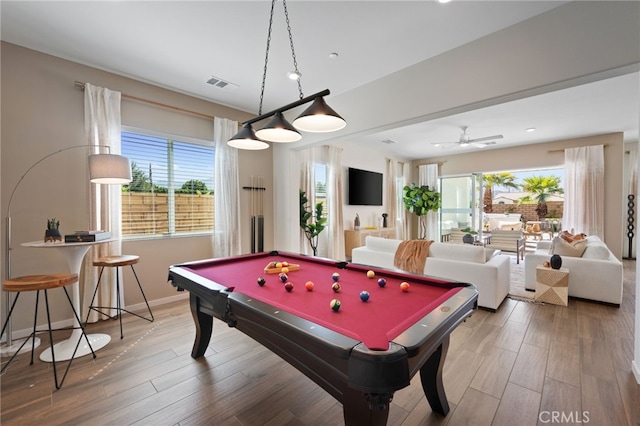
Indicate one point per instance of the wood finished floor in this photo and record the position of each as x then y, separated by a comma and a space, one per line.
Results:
511, 367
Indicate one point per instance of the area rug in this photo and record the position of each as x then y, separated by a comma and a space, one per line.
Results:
516, 288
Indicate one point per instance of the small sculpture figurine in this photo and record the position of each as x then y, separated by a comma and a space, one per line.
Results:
384, 220
53, 231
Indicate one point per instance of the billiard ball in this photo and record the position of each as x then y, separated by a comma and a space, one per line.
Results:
335, 304
382, 282
285, 264
278, 265
404, 286
288, 286
261, 281
335, 276
284, 270
335, 287
283, 277
371, 274
364, 296
308, 285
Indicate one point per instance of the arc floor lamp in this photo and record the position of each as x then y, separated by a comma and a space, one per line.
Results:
104, 168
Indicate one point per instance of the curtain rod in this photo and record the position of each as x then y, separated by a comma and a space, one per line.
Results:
439, 163
158, 104
562, 150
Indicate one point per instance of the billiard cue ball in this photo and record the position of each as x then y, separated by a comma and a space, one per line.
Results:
284, 270
308, 285
261, 281
288, 286
382, 282
283, 277
364, 296
335, 276
370, 274
335, 304
404, 286
335, 287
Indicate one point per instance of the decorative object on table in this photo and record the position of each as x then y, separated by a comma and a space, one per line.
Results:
87, 236
311, 224
52, 234
356, 222
420, 200
555, 262
318, 117
384, 220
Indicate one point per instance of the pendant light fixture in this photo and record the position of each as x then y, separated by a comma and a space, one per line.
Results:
318, 117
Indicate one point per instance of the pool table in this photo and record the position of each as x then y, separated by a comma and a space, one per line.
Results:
360, 353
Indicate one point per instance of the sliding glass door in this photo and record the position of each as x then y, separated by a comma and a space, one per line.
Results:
461, 203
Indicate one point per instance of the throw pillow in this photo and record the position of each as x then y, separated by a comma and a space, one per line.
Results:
564, 248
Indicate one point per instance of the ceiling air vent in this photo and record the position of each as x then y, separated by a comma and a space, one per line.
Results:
221, 84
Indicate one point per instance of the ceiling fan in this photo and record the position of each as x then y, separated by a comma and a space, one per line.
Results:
465, 140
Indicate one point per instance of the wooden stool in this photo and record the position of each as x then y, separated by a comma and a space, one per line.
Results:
116, 262
37, 283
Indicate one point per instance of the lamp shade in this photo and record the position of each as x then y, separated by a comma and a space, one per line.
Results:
278, 129
247, 139
109, 169
319, 118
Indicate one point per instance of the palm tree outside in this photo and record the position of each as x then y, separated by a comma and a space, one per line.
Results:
541, 188
505, 179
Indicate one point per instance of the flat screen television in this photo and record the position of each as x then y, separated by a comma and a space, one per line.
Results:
365, 188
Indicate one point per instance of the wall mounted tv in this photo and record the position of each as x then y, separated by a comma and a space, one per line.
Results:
365, 188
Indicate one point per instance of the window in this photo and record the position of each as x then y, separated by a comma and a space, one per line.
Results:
172, 188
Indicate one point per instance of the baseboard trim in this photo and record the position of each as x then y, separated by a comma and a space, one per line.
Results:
21, 334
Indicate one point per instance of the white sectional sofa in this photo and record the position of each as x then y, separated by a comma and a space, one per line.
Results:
596, 275
487, 269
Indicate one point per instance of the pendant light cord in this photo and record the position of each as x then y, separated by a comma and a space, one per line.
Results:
266, 56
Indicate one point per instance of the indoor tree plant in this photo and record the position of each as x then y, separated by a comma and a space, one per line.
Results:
421, 200
311, 224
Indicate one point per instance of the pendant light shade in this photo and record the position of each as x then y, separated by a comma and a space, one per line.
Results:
278, 129
247, 139
109, 169
319, 118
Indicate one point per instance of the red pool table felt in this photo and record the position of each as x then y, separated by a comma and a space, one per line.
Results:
388, 312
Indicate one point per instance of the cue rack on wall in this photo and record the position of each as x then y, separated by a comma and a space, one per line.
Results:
256, 210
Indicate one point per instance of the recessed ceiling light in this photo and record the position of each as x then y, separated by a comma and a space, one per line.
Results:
444, 1
333, 55
294, 75
389, 141
530, 129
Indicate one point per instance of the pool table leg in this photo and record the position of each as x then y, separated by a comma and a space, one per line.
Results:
357, 408
204, 327
431, 378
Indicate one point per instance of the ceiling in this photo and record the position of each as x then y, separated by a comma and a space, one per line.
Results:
180, 45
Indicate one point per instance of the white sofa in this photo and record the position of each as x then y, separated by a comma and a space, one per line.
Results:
596, 275
488, 270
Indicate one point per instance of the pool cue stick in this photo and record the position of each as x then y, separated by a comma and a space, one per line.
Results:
253, 216
261, 191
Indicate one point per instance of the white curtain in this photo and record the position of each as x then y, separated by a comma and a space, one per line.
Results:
102, 127
334, 203
404, 224
307, 181
226, 239
392, 194
584, 190
428, 175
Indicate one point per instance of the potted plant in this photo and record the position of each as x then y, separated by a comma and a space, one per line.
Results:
468, 237
421, 200
53, 230
311, 224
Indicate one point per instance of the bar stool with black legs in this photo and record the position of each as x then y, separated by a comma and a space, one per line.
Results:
116, 262
36, 283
